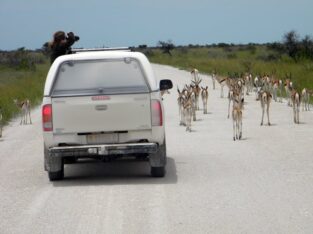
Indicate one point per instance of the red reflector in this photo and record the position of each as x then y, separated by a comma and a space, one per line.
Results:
47, 117
100, 98
156, 112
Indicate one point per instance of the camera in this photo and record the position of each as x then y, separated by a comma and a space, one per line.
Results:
71, 35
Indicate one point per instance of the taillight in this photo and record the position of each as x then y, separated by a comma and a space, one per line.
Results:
47, 118
156, 112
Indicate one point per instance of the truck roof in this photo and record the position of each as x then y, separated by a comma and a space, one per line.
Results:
94, 55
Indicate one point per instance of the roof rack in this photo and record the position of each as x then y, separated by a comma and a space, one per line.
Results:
75, 50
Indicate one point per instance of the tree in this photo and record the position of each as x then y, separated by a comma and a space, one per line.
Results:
291, 43
166, 47
45, 49
307, 47
144, 46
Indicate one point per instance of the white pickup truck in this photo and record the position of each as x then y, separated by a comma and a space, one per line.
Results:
103, 104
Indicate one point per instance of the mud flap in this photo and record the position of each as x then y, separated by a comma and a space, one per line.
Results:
159, 158
52, 164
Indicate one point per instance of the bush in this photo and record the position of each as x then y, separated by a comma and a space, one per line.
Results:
223, 45
182, 50
269, 57
232, 56
21, 59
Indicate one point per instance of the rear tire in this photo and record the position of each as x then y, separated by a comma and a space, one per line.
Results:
56, 175
158, 171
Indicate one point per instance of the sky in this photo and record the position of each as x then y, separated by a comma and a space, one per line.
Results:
115, 23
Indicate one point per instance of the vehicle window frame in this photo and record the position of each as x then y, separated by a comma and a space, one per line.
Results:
51, 93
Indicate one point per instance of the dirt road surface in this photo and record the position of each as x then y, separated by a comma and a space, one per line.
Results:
261, 184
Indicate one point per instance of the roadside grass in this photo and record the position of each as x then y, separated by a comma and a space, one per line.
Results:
238, 59
20, 84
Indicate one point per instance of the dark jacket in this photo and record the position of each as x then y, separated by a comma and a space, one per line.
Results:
63, 47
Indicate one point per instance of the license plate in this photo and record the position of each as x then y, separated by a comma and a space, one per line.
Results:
102, 138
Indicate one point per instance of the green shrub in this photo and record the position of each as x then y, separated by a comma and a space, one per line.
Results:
20, 84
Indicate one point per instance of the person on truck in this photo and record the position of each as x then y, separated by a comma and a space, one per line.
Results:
61, 44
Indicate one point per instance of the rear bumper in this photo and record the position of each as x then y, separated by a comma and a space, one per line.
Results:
103, 149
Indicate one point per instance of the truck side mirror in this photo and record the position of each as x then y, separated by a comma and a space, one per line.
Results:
165, 84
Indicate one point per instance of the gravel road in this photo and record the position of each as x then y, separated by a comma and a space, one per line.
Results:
261, 184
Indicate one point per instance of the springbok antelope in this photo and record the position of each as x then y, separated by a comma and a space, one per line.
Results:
266, 80
187, 105
310, 94
235, 88
305, 100
194, 74
237, 116
213, 79
249, 83
288, 88
230, 99
164, 92
280, 90
196, 88
275, 87
205, 96
257, 85
192, 91
0, 122
240, 83
180, 102
223, 81
296, 101
265, 99
24, 107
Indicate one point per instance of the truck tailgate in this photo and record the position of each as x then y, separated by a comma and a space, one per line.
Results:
86, 114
